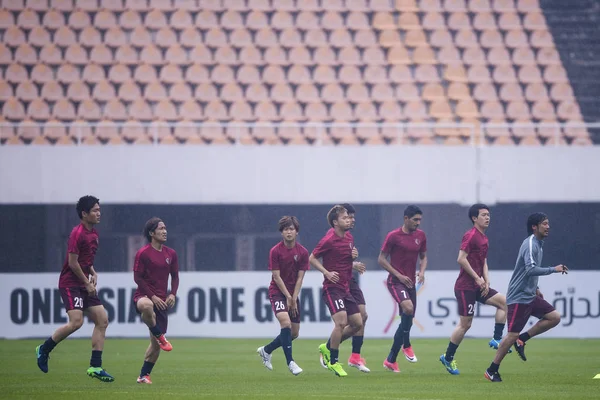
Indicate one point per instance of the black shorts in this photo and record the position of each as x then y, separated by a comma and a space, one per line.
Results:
162, 316
357, 292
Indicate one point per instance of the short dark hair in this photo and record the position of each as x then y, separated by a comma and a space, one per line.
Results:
334, 213
535, 219
350, 208
288, 220
151, 226
412, 210
474, 210
85, 204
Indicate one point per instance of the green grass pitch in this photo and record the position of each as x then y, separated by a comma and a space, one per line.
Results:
231, 369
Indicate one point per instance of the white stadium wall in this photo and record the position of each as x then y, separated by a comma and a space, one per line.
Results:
237, 305
298, 175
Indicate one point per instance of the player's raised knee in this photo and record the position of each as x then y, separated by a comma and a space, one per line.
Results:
553, 317
364, 316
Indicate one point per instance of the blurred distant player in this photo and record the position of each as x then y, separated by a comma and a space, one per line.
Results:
336, 249
473, 285
153, 264
403, 246
524, 297
77, 285
288, 261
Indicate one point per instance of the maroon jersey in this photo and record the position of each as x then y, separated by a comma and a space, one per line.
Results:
151, 271
404, 250
288, 262
475, 244
84, 243
336, 253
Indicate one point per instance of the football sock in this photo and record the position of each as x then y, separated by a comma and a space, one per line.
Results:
493, 367
335, 353
450, 351
397, 345
275, 344
524, 337
96, 360
406, 324
286, 343
329, 344
155, 330
357, 342
498, 328
48, 345
146, 368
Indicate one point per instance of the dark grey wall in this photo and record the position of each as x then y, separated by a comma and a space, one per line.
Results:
33, 237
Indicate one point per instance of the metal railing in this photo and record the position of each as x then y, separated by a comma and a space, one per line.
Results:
316, 133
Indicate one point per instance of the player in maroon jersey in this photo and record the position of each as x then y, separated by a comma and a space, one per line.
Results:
403, 246
355, 360
153, 264
77, 285
336, 249
473, 285
288, 261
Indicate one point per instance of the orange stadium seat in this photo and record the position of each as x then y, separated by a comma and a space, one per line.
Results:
28, 19
365, 38
511, 91
78, 91
449, 55
65, 37
155, 20
460, 91
491, 38
340, 38
151, 55
93, 73
26, 55
170, 74
474, 56
433, 92
140, 37
536, 92
25, 91
499, 56
130, 20
523, 56
101, 55
516, 38
52, 91
14, 37
541, 38
39, 36
561, 92
63, 110
129, 91
465, 39
41, 73
90, 37
433, 21
555, 74
104, 20
104, 92
431, 5
484, 20
458, 21
484, 92
373, 74
390, 38
503, 5
415, 38
350, 74
53, 20
508, 21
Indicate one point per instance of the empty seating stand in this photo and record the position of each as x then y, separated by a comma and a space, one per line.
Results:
205, 71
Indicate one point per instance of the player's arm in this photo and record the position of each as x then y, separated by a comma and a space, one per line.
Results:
486, 278
422, 266
280, 284
174, 282
315, 263
93, 276
383, 261
531, 265
76, 268
466, 266
292, 307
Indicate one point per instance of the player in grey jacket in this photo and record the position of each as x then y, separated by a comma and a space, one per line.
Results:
524, 298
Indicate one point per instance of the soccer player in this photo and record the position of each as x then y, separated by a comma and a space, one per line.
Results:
403, 246
288, 261
524, 297
153, 264
355, 359
473, 285
336, 249
77, 285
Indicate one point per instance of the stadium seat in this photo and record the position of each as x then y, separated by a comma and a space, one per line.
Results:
484, 20
499, 56
180, 92
103, 91
516, 38
536, 92
26, 55
89, 110
365, 38
101, 55
53, 20
191, 111
39, 36
41, 73
78, 91
93, 73
474, 56
511, 91
349, 74
483, 92
130, 20
129, 91
449, 55
64, 110
460, 91
25, 91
